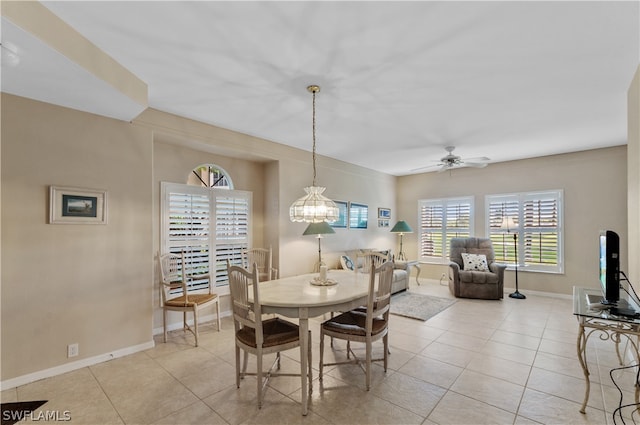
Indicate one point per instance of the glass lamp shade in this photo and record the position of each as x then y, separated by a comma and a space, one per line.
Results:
401, 227
314, 207
508, 223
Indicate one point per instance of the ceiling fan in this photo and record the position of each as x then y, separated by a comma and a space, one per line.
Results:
451, 161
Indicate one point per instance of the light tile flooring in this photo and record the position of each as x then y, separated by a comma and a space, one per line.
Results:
478, 362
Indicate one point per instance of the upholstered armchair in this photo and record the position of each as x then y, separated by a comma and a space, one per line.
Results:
473, 272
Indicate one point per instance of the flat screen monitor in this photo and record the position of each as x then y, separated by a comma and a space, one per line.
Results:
610, 266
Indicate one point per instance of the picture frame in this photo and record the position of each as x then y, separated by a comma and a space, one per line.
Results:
384, 213
73, 205
342, 218
383, 222
358, 215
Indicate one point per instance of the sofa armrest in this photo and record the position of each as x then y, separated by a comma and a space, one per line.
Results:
454, 269
498, 269
400, 265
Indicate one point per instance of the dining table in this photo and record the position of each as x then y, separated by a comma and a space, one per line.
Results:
304, 296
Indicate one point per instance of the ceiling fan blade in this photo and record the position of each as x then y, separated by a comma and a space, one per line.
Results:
475, 164
425, 167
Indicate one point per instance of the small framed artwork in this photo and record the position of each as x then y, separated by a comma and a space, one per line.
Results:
384, 213
382, 222
72, 205
342, 218
358, 216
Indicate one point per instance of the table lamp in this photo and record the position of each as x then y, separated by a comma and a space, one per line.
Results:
319, 229
509, 224
401, 227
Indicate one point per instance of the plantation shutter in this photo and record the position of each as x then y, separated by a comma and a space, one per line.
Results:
233, 210
439, 221
187, 230
208, 225
541, 224
539, 232
502, 240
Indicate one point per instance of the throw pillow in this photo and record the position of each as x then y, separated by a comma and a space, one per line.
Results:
346, 262
477, 262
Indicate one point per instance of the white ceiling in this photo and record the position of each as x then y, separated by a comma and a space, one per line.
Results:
399, 80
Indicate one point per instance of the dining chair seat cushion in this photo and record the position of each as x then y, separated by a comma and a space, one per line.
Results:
193, 300
353, 323
275, 332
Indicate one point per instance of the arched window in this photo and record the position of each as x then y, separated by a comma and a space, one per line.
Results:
210, 175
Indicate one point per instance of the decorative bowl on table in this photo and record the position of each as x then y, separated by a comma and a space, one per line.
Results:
317, 281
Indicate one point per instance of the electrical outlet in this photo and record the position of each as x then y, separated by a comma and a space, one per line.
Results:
72, 350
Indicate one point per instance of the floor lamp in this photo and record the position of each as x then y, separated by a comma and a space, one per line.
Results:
319, 229
401, 227
509, 224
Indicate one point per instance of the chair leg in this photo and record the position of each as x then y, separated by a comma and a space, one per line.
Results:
164, 323
321, 353
368, 364
195, 323
237, 366
385, 340
259, 378
218, 314
244, 366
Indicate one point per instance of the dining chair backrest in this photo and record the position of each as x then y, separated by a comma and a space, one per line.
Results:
263, 258
172, 275
245, 313
380, 299
369, 259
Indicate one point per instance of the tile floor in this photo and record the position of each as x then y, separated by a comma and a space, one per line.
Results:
478, 362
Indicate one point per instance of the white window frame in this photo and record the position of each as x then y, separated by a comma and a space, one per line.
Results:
444, 231
220, 231
514, 203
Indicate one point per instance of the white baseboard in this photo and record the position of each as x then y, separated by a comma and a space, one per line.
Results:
69, 367
539, 293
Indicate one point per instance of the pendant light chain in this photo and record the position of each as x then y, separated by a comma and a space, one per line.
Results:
313, 127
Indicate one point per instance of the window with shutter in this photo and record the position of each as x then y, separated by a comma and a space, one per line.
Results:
209, 225
439, 221
538, 216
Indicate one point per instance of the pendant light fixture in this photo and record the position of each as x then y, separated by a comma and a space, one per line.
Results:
314, 207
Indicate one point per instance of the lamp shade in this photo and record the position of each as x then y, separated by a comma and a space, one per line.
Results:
322, 228
314, 207
401, 227
508, 223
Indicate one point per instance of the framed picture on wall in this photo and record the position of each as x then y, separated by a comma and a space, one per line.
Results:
342, 218
72, 205
358, 216
384, 213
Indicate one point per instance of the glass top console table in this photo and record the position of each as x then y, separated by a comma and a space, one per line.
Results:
603, 321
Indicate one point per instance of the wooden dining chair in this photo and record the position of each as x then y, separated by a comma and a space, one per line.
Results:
257, 336
175, 295
263, 257
365, 325
367, 259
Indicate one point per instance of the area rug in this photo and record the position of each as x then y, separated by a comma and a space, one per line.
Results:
418, 306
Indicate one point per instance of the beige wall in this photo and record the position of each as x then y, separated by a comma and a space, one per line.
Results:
97, 285
62, 283
595, 197
633, 180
